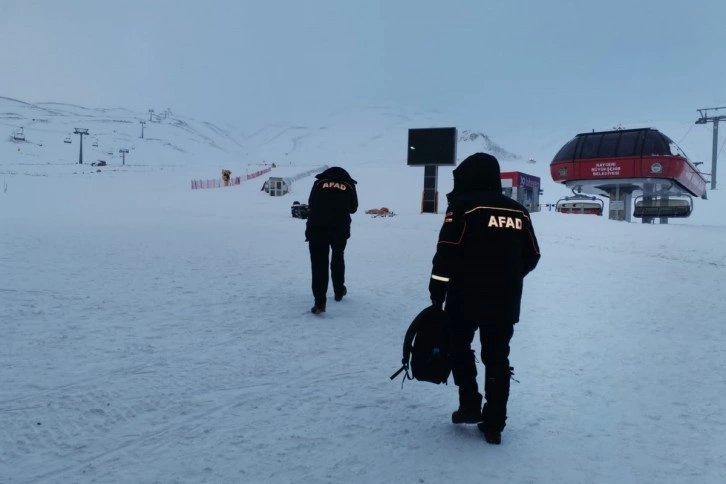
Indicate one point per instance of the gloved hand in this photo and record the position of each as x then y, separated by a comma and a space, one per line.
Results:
437, 289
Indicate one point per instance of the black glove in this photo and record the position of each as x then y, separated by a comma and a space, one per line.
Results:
437, 289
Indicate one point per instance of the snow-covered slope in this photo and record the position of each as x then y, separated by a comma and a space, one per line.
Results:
156, 334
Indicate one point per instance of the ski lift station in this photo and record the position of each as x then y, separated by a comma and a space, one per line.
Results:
641, 171
523, 188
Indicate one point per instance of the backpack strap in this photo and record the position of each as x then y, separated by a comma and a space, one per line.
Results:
403, 368
406, 376
407, 345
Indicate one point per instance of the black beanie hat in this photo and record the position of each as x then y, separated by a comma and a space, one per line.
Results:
336, 173
479, 172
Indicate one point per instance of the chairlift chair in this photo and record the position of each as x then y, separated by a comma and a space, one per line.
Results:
663, 206
68, 140
580, 204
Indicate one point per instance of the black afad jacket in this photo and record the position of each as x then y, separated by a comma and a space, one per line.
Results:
332, 199
486, 245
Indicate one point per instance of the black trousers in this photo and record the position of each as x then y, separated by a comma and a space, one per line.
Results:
320, 245
495, 335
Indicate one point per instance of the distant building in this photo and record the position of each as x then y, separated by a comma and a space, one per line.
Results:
276, 186
523, 188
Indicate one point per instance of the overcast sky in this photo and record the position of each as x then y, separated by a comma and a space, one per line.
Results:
249, 62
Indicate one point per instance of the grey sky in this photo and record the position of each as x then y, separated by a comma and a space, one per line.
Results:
512, 62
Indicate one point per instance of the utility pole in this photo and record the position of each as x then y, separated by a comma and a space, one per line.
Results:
81, 132
142, 128
705, 118
123, 152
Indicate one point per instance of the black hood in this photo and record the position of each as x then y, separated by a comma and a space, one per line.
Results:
335, 173
478, 173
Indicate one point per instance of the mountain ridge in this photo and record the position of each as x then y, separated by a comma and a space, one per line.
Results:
355, 135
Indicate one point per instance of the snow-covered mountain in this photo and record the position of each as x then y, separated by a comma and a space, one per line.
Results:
118, 126
48, 131
372, 134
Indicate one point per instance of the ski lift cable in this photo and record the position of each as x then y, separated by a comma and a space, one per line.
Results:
684, 136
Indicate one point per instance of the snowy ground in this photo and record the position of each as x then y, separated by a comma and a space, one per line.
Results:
157, 334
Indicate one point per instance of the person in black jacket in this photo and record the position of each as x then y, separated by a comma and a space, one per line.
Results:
332, 199
486, 246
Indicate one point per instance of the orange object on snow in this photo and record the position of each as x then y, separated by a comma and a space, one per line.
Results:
379, 212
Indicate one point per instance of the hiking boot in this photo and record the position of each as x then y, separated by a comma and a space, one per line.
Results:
491, 435
317, 309
339, 295
466, 415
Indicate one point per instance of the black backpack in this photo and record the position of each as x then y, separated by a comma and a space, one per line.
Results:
426, 348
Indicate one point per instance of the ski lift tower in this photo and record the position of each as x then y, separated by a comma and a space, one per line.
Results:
142, 122
705, 118
123, 152
80, 132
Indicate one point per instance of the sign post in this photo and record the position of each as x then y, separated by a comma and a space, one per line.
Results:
430, 148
